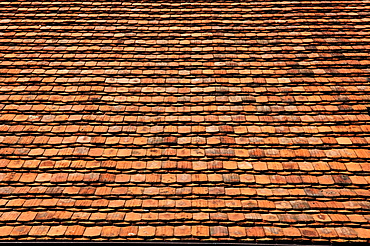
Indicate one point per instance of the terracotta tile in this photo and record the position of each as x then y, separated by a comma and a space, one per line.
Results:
164, 231
327, 232
237, 232
133, 217
362, 233
346, 232
10, 216
129, 231
20, 230
183, 178
309, 232
39, 230
255, 232
92, 231
291, 232
322, 218
6, 230
219, 231
124, 152
270, 217
110, 231
356, 218
118, 216
343, 141
27, 216
146, 231
15, 203
236, 216
273, 231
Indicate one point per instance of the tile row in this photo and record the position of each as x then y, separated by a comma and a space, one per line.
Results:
189, 72
88, 202
248, 167
186, 46
120, 233
186, 152
185, 179
184, 112
313, 142
171, 218
232, 34
209, 99
193, 121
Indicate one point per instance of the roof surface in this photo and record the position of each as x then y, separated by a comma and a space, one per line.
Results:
165, 120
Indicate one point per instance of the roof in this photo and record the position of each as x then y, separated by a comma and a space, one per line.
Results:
207, 121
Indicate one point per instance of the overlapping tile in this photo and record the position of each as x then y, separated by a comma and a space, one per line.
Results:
205, 121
